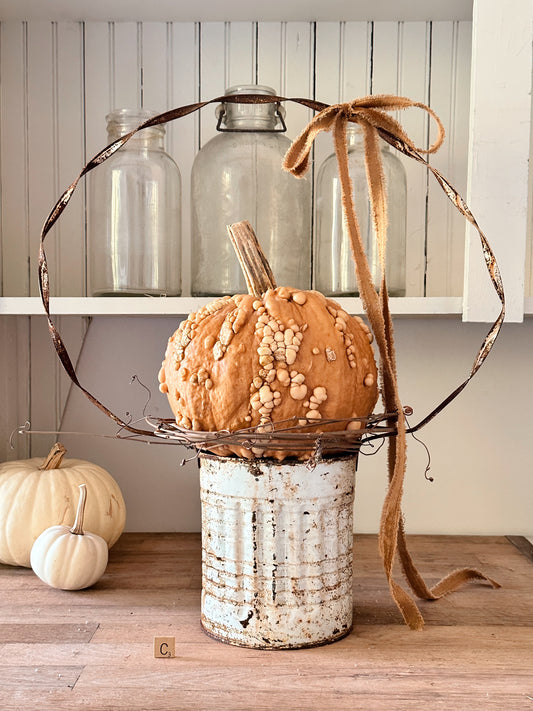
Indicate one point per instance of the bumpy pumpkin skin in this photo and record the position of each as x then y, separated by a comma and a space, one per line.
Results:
32, 500
244, 361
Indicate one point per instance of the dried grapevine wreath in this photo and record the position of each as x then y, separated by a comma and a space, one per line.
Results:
371, 113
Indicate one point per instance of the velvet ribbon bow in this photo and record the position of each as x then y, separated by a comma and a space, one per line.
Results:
371, 114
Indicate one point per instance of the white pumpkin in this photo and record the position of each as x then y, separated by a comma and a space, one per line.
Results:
36, 494
69, 558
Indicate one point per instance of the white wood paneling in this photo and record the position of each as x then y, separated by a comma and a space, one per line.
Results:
328, 62
155, 65
77, 72
43, 183
68, 118
126, 79
401, 63
450, 81
14, 229
413, 82
240, 53
99, 82
269, 54
99, 90
297, 78
500, 135
44, 382
342, 69
343, 59
14, 386
355, 57
49, 384
213, 74
183, 135
385, 67
329, 79
73, 331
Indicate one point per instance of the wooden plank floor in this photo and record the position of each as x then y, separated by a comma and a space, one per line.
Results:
93, 649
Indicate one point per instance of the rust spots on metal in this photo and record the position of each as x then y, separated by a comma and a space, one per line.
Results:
277, 551
245, 622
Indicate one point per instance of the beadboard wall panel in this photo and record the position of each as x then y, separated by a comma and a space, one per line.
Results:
69, 154
342, 69
414, 63
240, 55
270, 54
126, 69
183, 135
14, 228
14, 393
213, 73
449, 94
298, 68
41, 121
49, 385
99, 82
60, 79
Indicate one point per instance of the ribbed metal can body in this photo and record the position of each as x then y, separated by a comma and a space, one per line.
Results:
277, 542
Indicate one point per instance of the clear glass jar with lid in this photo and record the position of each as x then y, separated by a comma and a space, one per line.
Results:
134, 214
334, 270
238, 176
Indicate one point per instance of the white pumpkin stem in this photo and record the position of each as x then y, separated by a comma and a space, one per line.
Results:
77, 528
254, 264
54, 458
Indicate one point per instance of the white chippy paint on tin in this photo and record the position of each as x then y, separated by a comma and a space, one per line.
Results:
277, 544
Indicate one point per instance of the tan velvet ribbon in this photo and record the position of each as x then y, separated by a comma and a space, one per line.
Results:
371, 114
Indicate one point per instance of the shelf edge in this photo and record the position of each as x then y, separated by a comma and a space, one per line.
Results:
173, 306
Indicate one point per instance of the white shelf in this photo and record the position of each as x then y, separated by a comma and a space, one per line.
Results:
149, 306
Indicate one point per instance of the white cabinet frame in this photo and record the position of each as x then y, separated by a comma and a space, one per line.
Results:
499, 154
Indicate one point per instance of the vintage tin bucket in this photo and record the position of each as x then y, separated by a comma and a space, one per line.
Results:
277, 541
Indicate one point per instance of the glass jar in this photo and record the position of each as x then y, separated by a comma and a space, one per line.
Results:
134, 215
238, 176
334, 269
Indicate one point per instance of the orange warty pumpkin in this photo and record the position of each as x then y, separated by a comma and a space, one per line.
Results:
244, 361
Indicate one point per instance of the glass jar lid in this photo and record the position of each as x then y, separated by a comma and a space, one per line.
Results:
233, 116
122, 121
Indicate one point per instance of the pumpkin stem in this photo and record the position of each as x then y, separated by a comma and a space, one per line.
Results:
254, 264
53, 460
77, 528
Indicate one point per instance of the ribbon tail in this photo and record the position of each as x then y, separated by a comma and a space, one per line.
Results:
382, 328
456, 579
296, 159
448, 584
407, 606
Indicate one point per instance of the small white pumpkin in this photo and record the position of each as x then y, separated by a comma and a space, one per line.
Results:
69, 558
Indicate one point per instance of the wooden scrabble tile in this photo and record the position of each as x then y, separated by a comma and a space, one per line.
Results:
164, 647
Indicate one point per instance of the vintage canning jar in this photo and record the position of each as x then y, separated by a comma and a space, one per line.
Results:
334, 272
134, 218
238, 175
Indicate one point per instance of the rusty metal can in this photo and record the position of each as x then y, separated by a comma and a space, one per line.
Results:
277, 542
